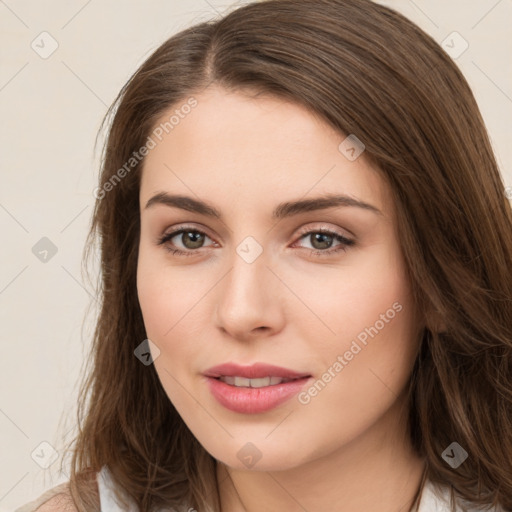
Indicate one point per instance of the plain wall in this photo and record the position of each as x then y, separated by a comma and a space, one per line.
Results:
51, 109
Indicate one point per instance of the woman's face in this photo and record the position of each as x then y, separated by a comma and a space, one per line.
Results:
261, 283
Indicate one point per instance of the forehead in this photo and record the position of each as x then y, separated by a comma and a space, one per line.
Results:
251, 150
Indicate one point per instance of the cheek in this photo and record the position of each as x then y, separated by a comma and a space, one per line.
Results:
167, 295
351, 298
369, 312
156, 301
167, 298
367, 364
173, 309
377, 341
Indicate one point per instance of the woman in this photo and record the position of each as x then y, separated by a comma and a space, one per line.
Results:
306, 292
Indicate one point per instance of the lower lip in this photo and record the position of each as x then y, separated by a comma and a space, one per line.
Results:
254, 400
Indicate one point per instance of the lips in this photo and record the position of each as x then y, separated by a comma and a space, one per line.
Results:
228, 383
255, 371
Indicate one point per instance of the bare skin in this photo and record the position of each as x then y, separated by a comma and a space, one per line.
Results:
344, 447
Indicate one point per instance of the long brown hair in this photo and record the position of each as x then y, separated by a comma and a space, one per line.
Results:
365, 70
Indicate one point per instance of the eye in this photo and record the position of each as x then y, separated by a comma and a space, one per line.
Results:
191, 240
322, 239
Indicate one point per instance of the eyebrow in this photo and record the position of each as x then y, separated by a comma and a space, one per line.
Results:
282, 210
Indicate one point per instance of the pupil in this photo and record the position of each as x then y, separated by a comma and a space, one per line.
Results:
197, 239
321, 237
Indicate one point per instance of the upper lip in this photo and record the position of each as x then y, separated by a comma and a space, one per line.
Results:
254, 371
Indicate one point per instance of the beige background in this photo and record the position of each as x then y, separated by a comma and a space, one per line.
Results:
50, 110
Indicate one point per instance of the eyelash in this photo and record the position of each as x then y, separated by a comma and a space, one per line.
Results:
343, 246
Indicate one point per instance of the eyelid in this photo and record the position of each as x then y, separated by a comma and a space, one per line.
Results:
325, 228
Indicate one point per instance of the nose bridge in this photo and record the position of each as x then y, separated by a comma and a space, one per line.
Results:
247, 299
248, 278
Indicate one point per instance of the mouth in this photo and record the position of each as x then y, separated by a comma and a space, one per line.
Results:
253, 389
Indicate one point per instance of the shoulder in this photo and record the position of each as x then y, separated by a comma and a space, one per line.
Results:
56, 499
59, 503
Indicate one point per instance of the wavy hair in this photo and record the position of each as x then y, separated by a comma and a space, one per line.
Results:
365, 70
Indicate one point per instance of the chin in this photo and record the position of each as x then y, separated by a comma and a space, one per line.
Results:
245, 455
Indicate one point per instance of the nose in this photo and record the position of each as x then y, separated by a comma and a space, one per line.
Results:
250, 299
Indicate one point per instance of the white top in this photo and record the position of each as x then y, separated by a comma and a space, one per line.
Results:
431, 499
108, 502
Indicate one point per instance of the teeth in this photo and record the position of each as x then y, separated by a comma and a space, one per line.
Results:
252, 383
